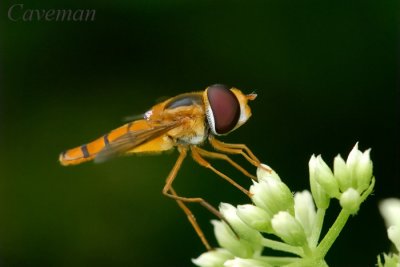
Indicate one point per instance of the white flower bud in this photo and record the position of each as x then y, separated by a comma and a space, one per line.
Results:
263, 173
288, 229
363, 171
242, 229
238, 262
352, 161
213, 258
255, 217
304, 211
272, 196
350, 200
227, 239
342, 173
321, 198
394, 235
390, 210
325, 178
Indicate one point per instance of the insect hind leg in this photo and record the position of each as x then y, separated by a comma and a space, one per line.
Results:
170, 192
192, 220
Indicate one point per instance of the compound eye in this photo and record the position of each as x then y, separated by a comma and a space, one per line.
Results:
225, 108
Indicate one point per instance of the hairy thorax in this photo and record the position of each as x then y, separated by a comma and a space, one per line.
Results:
193, 129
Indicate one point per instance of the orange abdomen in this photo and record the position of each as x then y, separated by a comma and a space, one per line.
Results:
89, 151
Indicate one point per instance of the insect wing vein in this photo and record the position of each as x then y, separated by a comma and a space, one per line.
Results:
132, 139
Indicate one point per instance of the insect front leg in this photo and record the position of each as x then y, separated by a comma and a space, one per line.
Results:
237, 149
216, 155
196, 153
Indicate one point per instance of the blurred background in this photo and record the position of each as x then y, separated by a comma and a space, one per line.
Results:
325, 72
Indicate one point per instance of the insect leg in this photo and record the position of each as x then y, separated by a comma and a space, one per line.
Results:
237, 149
216, 155
199, 159
169, 192
192, 220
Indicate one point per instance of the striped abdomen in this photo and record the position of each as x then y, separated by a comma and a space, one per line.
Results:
89, 151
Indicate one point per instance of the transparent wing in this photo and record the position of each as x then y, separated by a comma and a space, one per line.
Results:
132, 139
133, 117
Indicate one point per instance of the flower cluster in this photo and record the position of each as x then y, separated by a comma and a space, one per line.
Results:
347, 182
279, 220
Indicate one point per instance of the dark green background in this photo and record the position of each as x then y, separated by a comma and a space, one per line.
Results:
326, 76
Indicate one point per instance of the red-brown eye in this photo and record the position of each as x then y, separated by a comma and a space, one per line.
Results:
225, 108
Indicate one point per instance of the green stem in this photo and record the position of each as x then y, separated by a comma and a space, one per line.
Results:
307, 251
332, 234
338, 225
308, 263
278, 261
276, 245
319, 221
368, 191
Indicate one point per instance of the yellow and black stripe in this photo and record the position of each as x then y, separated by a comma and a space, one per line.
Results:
89, 151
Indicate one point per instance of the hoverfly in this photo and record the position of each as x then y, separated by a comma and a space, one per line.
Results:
185, 121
